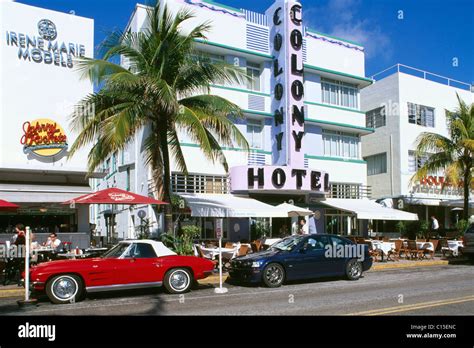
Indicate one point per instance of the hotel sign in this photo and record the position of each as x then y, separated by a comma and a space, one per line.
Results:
287, 172
43, 47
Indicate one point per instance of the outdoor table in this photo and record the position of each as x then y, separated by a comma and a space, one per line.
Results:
213, 252
422, 245
384, 246
454, 245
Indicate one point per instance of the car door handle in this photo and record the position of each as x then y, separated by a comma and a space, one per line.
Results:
157, 264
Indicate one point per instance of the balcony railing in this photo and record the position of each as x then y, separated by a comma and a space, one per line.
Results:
426, 75
349, 191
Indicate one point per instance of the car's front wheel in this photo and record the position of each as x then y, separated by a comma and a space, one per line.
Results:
353, 270
178, 280
65, 288
273, 275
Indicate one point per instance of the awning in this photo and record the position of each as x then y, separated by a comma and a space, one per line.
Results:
228, 205
366, 209
293, 210
25, 193
456, 203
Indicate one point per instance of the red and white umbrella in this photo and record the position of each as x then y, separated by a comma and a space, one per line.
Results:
4, 205
113, 196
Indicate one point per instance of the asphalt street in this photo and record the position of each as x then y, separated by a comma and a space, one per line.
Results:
436, 290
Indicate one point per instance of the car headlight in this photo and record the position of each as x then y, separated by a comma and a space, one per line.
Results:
256, 264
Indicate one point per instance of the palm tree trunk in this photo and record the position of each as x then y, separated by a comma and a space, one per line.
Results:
466, 185
166, 182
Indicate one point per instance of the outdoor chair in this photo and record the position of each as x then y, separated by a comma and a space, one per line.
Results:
229, 245
414, 251
373, 252
243, 250
201, 254
395, 254
432, 252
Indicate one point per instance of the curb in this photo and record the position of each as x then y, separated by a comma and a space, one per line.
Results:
379, 267
12, 293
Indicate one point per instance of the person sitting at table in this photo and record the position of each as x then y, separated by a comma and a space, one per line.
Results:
53, 241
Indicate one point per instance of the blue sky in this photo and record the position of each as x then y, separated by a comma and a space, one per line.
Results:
431, 34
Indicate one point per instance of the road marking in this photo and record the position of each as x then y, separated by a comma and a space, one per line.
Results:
415, 306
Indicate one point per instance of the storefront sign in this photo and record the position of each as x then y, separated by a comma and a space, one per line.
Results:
43, 48
276, 178
44, 138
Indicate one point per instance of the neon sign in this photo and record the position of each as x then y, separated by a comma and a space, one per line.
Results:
44, 138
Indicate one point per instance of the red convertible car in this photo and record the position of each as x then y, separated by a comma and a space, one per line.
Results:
128, 265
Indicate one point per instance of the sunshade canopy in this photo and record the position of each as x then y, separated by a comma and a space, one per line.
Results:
4, 205
366, 209
228, 205
113, 196
293, 210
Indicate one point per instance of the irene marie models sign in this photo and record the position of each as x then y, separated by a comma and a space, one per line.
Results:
44, 48
287, 172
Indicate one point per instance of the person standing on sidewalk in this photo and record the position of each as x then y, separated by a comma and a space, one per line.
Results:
434, 224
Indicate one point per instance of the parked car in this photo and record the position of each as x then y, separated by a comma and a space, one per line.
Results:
302, 257
128, 265
468, 241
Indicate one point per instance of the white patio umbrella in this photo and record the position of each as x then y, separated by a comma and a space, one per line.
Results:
293, 210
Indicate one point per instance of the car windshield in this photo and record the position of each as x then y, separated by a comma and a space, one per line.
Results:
116, 251
288, 243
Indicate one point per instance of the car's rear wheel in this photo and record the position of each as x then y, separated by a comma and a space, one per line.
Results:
178, 280
273, 275
353, 270
65, 288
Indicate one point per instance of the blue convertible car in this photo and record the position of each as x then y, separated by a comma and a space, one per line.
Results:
303, 257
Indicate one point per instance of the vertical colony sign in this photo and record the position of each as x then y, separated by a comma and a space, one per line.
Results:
287, 172
287, 84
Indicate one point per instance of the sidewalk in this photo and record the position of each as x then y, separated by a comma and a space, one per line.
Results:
15, 291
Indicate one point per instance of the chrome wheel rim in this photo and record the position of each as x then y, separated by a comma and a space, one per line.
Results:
64, 288
274, 275
356, 270
179, 280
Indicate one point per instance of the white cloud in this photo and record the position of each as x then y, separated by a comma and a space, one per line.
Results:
340, 18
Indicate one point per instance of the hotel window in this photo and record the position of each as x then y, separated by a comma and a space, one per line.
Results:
339, 144
255, 133
375, 118
204, 57
416, 162
421, 115
376, 164
253, 71
339, 93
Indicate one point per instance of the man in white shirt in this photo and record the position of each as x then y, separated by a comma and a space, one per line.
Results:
53, 241
434, 224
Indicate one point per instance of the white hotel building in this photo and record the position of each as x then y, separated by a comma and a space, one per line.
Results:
334, 123
403, 103
38, 89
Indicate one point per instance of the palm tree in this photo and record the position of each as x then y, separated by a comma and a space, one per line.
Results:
454, 154
164, 91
